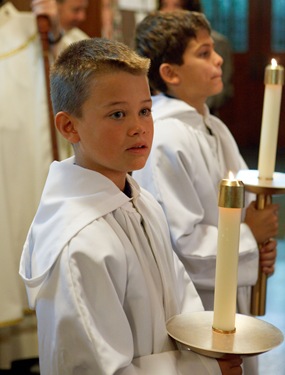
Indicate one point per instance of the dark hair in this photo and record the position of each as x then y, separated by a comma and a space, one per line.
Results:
192, 5
79, 64
163, 38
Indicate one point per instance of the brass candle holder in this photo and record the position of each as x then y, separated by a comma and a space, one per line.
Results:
247, 335
193, 331
264, 190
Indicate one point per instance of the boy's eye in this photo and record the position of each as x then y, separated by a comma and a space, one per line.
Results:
205, 53
117, 115
146, 112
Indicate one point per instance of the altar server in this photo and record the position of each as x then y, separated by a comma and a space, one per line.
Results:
98, 263
193, 150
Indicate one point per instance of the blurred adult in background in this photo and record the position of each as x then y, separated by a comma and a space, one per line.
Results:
222, 47
71, 13
25, 153
65, 19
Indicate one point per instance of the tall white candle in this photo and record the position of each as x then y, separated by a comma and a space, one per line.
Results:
231, 201
273, 79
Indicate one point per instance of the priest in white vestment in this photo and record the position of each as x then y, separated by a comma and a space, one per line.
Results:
25, 156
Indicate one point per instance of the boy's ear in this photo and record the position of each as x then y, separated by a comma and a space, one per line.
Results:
168, 74
65, 124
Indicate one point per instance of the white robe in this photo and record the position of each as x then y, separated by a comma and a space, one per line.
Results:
183, 173
25, 156
101, 273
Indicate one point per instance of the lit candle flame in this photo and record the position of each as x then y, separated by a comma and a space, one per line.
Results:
273, 63
231, 176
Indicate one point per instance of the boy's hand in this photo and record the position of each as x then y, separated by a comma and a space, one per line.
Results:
267, 253
263, 223
230, 365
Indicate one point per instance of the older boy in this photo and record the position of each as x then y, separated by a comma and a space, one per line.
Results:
97, 263
193, 150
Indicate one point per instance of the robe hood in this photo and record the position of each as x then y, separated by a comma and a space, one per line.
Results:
168, 110
72, 198
165, 107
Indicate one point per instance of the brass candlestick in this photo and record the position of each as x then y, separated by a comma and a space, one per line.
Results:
251, 336
264, 189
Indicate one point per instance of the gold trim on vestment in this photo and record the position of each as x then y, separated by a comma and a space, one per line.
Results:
20, 48
9, 323
26, 312
29, 312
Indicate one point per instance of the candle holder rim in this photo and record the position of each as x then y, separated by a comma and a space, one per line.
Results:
253, 336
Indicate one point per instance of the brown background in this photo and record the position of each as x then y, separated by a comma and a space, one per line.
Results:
243, 113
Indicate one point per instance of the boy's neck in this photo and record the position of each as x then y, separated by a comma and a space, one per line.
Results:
200, 108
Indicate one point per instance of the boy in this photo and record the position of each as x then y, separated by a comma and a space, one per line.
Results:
97, 263
222, 46
193, 150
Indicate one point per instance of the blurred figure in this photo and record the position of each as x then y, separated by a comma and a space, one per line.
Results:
65, 17
26, 153
222, 47
71, 13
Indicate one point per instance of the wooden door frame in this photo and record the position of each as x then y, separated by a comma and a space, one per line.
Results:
248, 80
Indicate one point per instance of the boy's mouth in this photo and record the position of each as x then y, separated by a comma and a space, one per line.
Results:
137, 147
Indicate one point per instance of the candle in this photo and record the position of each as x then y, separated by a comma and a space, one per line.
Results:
273, 79
231, 201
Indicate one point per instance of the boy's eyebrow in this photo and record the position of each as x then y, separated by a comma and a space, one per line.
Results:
124, 102
204, 45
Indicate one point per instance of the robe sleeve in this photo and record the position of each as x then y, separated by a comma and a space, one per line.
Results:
172, 175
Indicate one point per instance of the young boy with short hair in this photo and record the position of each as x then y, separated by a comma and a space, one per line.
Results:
192, 151
98, 263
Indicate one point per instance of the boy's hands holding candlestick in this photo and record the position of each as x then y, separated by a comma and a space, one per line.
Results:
263, 223
267, 256
230, 365
264, 226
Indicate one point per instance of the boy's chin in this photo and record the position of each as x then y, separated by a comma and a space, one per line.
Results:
218, 90
137, 168
138, 164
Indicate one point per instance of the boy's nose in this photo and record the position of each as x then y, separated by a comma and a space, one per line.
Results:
137, 128
219, 59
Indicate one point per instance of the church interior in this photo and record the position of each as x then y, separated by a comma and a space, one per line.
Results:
256, 32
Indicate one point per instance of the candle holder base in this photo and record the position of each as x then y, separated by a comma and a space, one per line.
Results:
193, 331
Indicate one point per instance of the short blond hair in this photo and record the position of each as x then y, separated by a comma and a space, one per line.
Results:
79, 64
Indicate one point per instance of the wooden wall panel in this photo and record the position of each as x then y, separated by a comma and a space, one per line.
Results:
92, 25
22, 4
